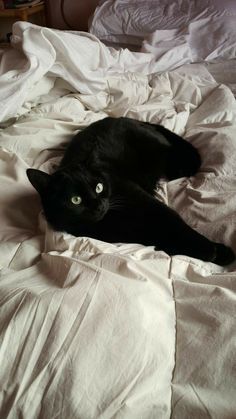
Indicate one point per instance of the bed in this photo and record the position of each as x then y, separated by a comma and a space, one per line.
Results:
94, 330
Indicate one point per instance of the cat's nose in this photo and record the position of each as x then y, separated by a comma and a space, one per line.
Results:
105, 206
101, 211
100, 206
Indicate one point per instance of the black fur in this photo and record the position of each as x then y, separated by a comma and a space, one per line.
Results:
127, 157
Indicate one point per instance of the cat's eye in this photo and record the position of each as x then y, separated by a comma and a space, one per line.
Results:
76, 200
99, 188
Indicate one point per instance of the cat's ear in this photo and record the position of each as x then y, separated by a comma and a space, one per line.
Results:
38, 179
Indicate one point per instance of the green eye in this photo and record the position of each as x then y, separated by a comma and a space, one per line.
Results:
99, 188
76, 200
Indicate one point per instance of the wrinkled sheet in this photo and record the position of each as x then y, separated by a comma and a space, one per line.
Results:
204, 40
94, 330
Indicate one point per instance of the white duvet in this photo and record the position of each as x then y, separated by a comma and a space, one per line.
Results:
92, 330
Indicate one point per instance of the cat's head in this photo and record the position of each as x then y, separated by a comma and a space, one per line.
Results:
70, 198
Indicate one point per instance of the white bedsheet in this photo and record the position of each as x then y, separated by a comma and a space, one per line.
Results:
94, 330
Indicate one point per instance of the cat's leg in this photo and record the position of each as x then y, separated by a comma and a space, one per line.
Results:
152, 222
158, 152
183, 159
177, 237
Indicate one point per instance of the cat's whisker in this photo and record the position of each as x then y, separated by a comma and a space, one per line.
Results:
116, 201
116, 206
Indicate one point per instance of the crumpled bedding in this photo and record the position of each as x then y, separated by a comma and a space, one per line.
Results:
96, 330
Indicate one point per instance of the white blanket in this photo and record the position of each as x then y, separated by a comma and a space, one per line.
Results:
94, 330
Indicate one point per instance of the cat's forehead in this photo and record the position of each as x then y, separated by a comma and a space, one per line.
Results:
67, 183
61, 176
77, 176
60, 180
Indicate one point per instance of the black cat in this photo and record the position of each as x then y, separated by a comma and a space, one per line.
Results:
104, 188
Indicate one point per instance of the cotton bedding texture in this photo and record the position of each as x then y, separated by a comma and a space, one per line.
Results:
96, 330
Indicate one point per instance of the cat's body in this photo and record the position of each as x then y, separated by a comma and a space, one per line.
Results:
104, 188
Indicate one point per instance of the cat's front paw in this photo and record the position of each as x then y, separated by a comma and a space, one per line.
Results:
224, 255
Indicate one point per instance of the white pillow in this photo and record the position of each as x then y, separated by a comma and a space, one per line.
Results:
130, 21
209, 39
